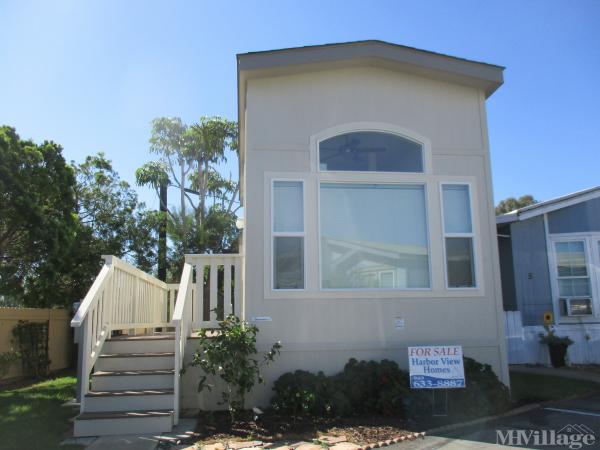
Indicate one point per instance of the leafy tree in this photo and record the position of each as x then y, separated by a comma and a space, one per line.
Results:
511, 203
37, 222
205, 217
109, 208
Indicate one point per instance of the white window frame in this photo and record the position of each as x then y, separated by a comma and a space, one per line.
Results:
592, 258
379, 127
346, 178
401, 134
472, 235
312, 178
275, 234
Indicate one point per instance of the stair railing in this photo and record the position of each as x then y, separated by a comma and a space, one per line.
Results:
204, 301
182, 321
121, 297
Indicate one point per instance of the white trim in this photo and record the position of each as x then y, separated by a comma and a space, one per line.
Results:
551, 270
548, 206
274, 234
381, 127
592, 260
472, 235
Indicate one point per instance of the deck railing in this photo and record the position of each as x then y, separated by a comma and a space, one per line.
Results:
217, 287
121, 297
210, 289
182, 321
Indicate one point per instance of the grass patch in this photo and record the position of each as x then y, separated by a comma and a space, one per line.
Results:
531, 388
32, 416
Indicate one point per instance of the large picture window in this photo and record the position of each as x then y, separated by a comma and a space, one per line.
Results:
458, 236
370, 151
373, 236
288, 234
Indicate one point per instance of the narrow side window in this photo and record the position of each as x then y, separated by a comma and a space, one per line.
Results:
288, 235
458, 236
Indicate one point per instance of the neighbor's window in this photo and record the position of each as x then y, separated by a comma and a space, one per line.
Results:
288, 234
571, 267
458, 235
370, 151
373, 236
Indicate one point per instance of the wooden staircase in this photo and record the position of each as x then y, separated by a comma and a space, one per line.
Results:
132, 388
132, 384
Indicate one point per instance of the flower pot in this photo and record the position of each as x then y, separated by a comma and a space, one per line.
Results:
557, 354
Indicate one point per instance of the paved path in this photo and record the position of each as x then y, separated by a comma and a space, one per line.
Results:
580, 412
444, 443
574, 374
136, 441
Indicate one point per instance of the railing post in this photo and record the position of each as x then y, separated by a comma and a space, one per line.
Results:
85, 369
214, 289
178, 337
227, 310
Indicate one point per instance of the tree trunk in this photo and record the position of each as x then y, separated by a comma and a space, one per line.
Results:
162, 235
182, 199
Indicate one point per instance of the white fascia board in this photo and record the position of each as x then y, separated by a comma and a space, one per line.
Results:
507, 218
541, 209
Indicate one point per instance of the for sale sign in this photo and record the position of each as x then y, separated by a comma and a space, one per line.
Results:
436, 367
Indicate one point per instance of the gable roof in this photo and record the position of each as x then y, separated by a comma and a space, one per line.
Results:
484, 76
554, 204
479, 75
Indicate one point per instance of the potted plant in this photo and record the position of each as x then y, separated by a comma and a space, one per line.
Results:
557, 346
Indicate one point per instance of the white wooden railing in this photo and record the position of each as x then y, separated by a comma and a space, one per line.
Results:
121, 297
218, 288
215, 293
182, 321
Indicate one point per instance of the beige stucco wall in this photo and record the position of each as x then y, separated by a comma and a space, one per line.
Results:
322, 330
60, 340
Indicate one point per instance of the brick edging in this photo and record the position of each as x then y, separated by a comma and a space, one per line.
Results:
396, 440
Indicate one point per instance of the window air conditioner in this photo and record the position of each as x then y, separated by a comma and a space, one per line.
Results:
576, 306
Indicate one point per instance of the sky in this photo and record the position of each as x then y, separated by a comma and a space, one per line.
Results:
91, 75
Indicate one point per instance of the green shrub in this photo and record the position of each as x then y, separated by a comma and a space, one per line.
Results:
373, 387
7, 359
361, 388
484, 395
231, 355
382, 388
303, 393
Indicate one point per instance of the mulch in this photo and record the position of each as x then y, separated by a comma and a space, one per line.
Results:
271, 427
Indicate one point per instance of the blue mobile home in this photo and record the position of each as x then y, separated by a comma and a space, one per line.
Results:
550, 263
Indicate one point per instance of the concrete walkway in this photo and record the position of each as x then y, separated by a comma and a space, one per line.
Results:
445, 443
136, 441
564, 372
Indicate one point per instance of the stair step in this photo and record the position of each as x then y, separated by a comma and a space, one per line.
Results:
123, 422
135, 361
132, 392
123, 414
140, 344
131, 373
129, 400
135, 355
133, 379
144, 337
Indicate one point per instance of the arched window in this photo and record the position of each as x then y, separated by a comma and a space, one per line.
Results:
370, 151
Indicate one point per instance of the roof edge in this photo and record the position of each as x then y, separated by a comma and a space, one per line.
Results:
537, 209
484, 76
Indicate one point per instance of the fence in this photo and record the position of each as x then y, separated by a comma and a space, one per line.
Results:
523, 346
60, 340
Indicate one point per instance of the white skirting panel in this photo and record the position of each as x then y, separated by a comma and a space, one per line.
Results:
523, 346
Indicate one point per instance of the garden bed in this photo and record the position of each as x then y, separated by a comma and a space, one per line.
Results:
271, 427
